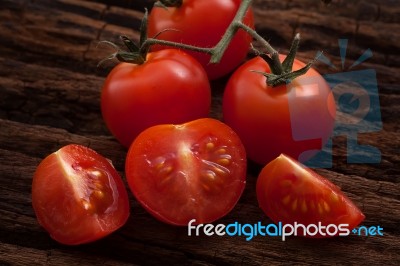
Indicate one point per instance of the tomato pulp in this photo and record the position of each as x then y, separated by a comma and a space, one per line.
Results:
195, 170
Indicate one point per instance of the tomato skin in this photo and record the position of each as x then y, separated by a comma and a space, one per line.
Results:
191, 24
288, 192
78, 196
170, 87
195, 170
267, 119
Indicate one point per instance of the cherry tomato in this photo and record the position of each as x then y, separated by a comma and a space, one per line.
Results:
288, 192
170, 87
195, 170
78, 196
202, 24
296, 119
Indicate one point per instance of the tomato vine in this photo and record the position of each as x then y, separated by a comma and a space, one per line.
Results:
281, 72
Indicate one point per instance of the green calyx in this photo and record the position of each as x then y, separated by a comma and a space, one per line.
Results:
135, 54
282, 73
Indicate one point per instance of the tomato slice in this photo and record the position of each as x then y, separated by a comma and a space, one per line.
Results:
196, 170
288, 192
78, 196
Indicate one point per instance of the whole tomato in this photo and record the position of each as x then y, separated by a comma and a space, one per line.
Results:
296, 118
169, 87
195, 170
78, 196
202, 23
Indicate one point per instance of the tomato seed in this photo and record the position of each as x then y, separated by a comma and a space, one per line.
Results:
304, 206
326, 206
294, 205
286, 200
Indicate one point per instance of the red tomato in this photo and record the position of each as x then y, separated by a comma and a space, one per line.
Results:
78, 196
288, 192
202, 23
170, 87
196, 170
296, 119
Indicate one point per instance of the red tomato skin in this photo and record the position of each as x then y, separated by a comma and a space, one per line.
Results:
202, 24
266, 118
170, 87
186, 152
289, 192
61, 186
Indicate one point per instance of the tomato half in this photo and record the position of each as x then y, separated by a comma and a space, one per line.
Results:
170, 87
296, 119
202, 24
288, 192
78, 196
195, 170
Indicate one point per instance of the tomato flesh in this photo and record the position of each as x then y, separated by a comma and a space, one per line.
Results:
78, 196
288, 192
191, 171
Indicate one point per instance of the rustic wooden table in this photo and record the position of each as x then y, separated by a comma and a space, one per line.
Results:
49, 96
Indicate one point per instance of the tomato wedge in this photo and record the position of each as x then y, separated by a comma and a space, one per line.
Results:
288, 192
78, 196
195, 170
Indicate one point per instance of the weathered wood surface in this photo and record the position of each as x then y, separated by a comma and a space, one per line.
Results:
49, 96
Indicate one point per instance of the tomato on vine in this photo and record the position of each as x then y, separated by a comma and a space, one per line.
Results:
202, 24
279, 107
169, 87
147, 89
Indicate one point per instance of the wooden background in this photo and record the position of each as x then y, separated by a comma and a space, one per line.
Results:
49, 96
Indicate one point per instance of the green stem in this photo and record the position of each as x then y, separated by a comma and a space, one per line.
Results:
222, 45
257, 37
168, 3
151, 41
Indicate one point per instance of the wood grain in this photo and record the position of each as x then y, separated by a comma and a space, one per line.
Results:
50, 86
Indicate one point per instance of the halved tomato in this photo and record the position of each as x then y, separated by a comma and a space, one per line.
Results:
195, 170
78, 196
288, 192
